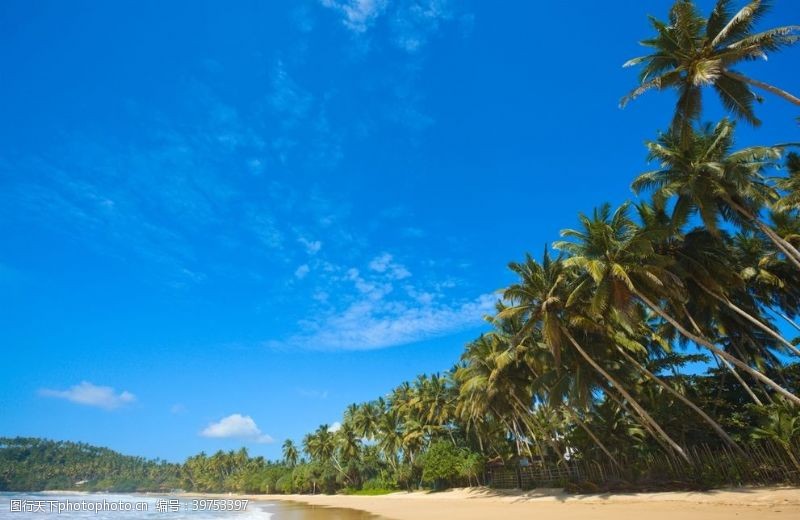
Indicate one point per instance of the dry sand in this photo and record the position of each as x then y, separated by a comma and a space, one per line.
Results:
486, 504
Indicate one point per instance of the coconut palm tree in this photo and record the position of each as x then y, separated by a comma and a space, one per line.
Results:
705, 176
790, 185
543, 298
691, 52
389, 436
290, 453
619, 266
320, 445
706, 263
365, 419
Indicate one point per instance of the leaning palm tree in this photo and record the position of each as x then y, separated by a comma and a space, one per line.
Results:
543, 299
290, 453
702, 172
620, 266
691, 52
790, 185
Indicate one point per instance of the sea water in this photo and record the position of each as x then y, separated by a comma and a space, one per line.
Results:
103, 506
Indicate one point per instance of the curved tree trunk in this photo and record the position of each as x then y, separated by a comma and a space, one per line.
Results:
594, 437
722, 363
724, 355
786, 318
711, 422
748, 317
739, 379
633, 402
784, 245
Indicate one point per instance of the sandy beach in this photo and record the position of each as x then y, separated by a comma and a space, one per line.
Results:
482, 504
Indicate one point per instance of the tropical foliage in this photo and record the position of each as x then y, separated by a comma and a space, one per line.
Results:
653, 330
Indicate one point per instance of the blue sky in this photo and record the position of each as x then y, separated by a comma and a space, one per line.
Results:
232, 219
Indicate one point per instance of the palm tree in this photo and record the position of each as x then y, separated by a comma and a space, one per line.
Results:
543, 298
389, 436
790, 185
365, 419
691, 52
290, 453
619, 265
706, 177
320, 444
706, 263
766, 276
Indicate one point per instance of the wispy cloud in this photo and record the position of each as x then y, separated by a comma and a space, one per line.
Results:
89, 394
236, 426
302, 271
385, 264
367, 325
357, 15
312, 246
382, 306
412, 22
312, 394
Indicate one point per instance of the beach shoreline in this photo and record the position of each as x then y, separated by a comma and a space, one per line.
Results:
553, 504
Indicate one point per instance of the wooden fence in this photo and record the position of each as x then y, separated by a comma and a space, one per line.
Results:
763, 463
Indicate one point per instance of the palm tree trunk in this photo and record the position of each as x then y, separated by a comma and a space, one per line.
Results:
784, 316
766, 86
723, 363
711, 422
633, 402
739, 379
704, 342
748, 317
784, 245
763, 388
591, 434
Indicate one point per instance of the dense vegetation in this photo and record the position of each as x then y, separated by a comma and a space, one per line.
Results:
596, 350
28, 464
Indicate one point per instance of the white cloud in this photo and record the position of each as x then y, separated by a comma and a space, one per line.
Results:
385, 263
312, 246
412, 22
373, 323
236, 426
177, 409
88, 394
357, 15
302, 271
335, 427
381, 263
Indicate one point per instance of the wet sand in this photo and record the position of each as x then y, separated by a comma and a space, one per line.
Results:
289, 510
483, 504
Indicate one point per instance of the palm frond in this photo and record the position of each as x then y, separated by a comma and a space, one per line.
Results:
738, 98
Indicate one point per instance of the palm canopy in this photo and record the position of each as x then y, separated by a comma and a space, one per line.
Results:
700, 169
290, 452
790, 185
706, 176
691, 52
